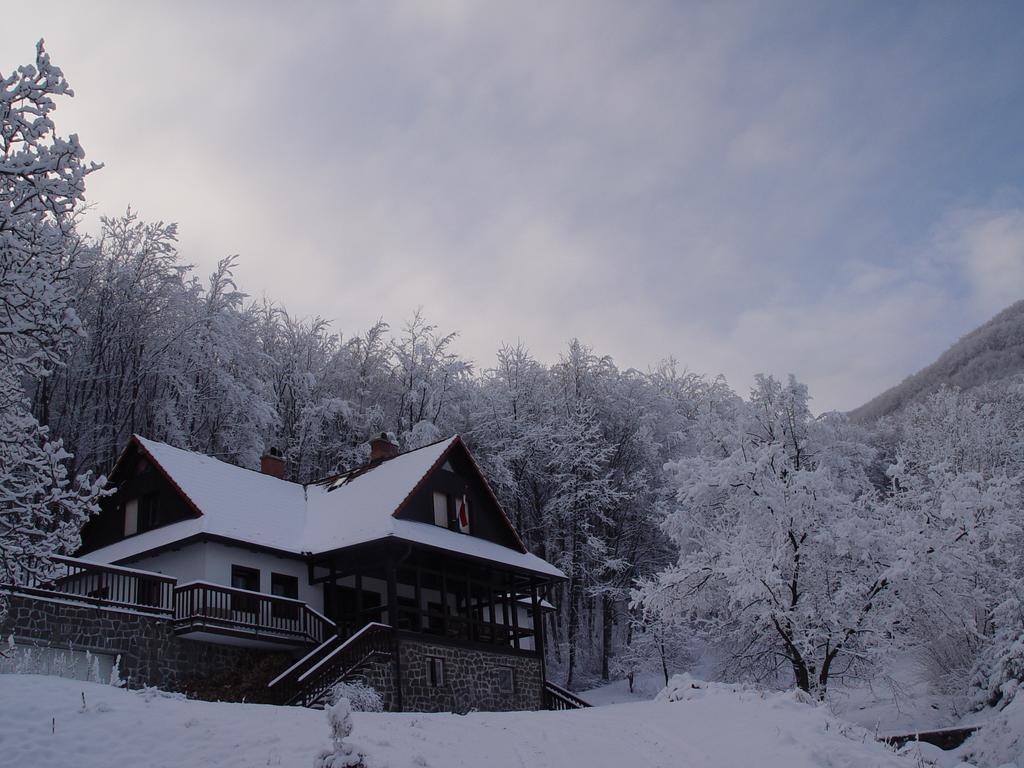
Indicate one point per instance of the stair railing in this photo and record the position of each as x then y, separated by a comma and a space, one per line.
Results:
558, 698
308, 680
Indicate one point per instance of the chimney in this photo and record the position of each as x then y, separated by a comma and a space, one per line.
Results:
382, 448
272, 464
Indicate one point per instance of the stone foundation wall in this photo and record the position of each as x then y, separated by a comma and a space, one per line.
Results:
380, 675
151, 654
473, 679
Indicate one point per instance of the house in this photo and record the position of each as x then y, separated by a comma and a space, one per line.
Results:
405, 573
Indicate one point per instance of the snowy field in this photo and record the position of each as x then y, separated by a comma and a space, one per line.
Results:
899, 701
45, 721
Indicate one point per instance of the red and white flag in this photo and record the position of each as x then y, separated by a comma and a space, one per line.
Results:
463, 515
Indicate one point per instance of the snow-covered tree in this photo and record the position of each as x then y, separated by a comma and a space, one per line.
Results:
583, 495
956, 490
339, 754
42, 182
654, 645
786, 562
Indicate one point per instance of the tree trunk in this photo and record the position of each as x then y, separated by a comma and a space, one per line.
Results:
607, 621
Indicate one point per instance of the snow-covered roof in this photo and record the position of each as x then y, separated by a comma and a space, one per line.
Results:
256, 508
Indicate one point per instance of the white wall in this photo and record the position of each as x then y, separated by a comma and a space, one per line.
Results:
185, 564
210, 561
220, 558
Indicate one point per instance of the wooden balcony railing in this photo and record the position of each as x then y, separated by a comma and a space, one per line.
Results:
201, 605
103, 585
196, 605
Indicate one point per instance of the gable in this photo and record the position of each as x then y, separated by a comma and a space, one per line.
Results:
455, 478
144, 498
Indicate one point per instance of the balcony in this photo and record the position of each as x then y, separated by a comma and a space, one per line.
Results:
106, 586
199, 610
215, 613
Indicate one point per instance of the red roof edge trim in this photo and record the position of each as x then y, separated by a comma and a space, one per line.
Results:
166, 475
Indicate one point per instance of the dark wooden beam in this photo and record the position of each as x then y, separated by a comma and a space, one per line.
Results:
392, 571
419, 599
515, 616
538, 628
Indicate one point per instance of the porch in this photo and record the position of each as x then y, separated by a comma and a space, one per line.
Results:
436, 595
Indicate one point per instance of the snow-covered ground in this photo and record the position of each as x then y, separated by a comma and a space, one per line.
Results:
900, 701
54, 721
645, 688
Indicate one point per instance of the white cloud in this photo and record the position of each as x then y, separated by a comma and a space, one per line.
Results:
988, 246
724, 184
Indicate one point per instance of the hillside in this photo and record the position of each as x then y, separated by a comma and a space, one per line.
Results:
50, 721
990, 352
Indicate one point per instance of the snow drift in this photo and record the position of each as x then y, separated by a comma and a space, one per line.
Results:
47, 719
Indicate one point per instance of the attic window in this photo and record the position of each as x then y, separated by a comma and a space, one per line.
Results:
150, 512
441, 509
131, 517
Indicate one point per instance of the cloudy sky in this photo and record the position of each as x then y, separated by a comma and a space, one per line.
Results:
832, 191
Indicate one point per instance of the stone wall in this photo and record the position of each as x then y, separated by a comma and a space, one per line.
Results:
473, 679
151, 654
380, 675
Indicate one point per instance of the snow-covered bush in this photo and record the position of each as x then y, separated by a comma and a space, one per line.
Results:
1000, 742
339, 754
115, 674
685, 687
361, 697
999, 673
26, 659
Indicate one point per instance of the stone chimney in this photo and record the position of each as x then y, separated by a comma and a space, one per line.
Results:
272, 464
382, 448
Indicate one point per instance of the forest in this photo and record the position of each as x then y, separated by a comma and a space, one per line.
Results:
693, 520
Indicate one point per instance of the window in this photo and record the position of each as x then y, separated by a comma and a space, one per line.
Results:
283, 585
506, 679
440, 509
131, 517
408, 615
245, 578
435, 618
150, 508
435, 671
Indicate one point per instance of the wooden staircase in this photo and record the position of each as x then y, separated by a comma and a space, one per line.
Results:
557, 698
312, 677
